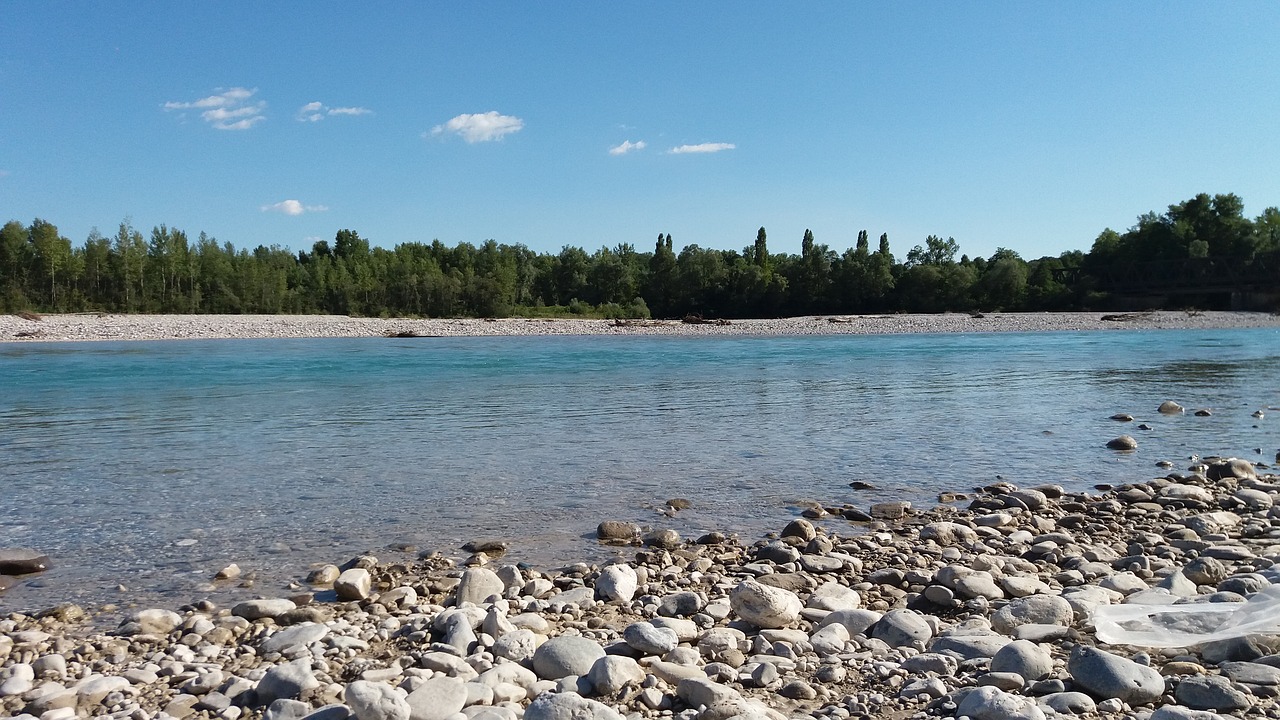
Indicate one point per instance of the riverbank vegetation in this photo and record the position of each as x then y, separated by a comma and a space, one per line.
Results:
1200, 253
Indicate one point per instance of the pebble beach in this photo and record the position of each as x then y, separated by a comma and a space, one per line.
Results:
106, 327
990, 604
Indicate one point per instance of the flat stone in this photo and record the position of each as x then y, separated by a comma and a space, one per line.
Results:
262, 608
1032, 610
295, 636
1212, 692
437, 699
22, 561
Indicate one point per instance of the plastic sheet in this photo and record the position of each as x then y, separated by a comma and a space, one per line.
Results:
1188, 624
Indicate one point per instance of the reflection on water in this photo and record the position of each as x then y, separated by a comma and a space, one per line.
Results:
277, 454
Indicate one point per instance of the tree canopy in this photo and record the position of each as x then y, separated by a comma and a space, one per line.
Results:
166, 271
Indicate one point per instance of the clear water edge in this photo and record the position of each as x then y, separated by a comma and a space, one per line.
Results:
278, 454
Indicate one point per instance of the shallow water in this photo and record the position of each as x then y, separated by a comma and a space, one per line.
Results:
277, 454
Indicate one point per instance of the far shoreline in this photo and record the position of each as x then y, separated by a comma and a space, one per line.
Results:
88, 327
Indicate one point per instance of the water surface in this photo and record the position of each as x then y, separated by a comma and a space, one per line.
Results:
277, 454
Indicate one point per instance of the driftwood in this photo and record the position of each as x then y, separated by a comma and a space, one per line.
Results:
634, 322
699, 320
27, 315
840, 321
1126, 317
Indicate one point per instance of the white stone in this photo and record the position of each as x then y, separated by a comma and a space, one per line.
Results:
765, 606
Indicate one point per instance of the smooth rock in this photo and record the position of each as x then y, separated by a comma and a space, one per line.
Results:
568, 706
297, 635
650, 640
376, 701
617, 583
611, 673
900, 628
1025, 658
353, 585
478, 585
437, 699
287, 680
765, 606
991, 703
566, 655
262, 608
22, 561
1105, 675
1033, 609
1213, 692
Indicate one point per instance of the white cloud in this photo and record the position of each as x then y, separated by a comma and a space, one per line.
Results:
311, 112
293, 207
317, 111
626, 147
226, 110
480, 127
702, 148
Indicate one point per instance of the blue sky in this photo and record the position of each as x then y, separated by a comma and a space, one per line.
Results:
1024, 125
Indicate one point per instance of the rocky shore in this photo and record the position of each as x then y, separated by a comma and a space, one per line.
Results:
95, 326
985, 606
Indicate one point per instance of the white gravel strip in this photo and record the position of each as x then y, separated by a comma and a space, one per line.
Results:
94, 326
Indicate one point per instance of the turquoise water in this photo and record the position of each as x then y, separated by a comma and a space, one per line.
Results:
281, 453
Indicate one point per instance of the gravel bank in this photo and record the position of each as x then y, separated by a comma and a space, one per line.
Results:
90, 326
983, 607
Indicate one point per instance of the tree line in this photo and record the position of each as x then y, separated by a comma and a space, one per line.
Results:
169, 272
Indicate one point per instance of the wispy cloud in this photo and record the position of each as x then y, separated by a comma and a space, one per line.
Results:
231, 109
701, 148
293, 207
480, 127
317, 111
626, 147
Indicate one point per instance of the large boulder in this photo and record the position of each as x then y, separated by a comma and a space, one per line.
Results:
22, 561
765, 606
1105, 675
566, 655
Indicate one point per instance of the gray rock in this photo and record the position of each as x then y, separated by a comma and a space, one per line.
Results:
375, 701
22, 561
1213, 692
287, 680
20, 680
262, 608
617, 583
328, 712
617, 530
765, 606
155, 621
1169, 407
477, 585
353, 584
92, 690
948, 533
931, 662
566, 655
1251, 673
1124, 442
1105, 675
991, 703
437, 699
969, 646
568, 706
650, 640
517, 645
283, 709
1177, 712
680, 604
297, 635
611, 673
1069, 703
855, 621
1025, 658
1032, 610
900, 628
